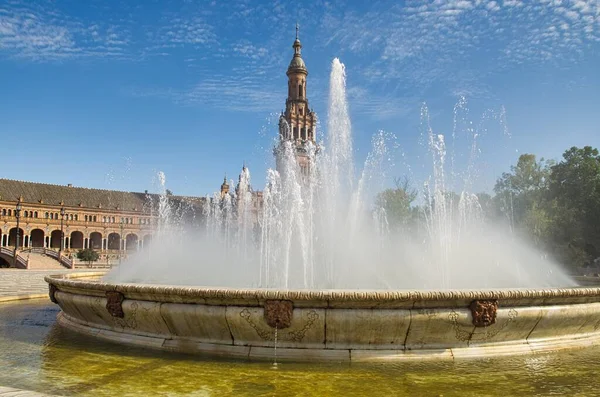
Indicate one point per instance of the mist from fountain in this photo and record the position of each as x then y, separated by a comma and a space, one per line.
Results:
319, 230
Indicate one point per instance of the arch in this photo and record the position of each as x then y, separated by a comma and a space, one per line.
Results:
4, 212
95, 241
25, 214
114, 241
131, 242
37, 238
76, 240
12, 237
55, 239
147, 240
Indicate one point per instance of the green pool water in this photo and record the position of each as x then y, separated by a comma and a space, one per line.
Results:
37, 354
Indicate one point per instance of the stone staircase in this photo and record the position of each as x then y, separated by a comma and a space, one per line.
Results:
40, 261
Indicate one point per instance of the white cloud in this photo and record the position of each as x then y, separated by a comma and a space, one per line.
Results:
437, 41
393, 45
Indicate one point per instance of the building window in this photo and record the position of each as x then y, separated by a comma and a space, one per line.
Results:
94, 218
9, 212
85, 218
56, 215
71, 217
51, 215
300, 91
4, 212
47, 215
76, 216
35, 214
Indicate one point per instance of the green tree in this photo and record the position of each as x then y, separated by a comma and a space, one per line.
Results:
574, 189
88, 255
487, 204
397, 204
525, 186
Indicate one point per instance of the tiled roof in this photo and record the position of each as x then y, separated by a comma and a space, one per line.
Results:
43, 193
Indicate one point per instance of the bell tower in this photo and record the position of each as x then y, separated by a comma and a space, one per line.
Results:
298, 123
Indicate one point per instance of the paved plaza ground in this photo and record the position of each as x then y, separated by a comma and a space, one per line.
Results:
23, 283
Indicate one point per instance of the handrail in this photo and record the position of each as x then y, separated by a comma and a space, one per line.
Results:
34, 250
22, 261
65, 261
51, 253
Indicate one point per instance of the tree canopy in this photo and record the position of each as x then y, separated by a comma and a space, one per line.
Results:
557, 204
88, 255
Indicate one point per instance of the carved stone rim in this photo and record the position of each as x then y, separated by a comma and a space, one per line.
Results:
404, 298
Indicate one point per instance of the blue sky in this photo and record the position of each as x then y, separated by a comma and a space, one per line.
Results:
105, 93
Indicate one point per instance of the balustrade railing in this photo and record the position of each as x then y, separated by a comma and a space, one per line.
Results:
67, 262
22, 261
66, 223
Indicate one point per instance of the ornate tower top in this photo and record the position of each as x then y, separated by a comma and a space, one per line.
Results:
298, 122
224, 187
297, 64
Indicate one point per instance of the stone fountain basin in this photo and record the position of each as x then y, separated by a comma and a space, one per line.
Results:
339, 325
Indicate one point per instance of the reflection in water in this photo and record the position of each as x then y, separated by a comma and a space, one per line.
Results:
36, 354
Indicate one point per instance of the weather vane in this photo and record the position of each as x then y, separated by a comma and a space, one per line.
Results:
297, 28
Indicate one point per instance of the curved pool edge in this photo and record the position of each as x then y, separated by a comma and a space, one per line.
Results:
330, 325
335, 355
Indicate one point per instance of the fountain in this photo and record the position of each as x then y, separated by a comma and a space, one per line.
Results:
314, 273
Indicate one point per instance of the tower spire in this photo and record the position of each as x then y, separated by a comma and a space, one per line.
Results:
298, 122
224, 187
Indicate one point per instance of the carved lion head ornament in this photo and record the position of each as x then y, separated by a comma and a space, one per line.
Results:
484, 312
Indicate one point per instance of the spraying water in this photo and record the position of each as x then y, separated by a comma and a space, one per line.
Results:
315, 228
